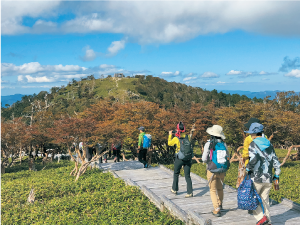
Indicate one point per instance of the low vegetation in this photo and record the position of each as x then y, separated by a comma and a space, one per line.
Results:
97, 198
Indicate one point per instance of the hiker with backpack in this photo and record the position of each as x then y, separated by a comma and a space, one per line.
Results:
183, 157
116, 148
262, 160
216, 156
249, 139
143, 146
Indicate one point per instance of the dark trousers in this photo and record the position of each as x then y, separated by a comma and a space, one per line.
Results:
187, 169
104, 157
142, 156
116, 153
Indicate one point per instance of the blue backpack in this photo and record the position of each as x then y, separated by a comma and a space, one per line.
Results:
147, 141
247, 196
218, 160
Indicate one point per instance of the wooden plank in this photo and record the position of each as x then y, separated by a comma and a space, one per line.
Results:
290, 204
131, 183
153, 197
195, 218
174, 209
114, 174
195, 176
230, 216
171, 172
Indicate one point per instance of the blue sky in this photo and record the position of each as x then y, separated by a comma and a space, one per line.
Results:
252, 46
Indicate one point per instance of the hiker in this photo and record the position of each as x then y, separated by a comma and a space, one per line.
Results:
183, 157
116, 147
216, 156
89, 152
262, 159
81, 148
142, 152
100, 149
248, 140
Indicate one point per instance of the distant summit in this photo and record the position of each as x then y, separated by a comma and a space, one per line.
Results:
249, 94
10, 99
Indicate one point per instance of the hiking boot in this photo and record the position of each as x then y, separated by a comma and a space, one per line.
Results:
216, 213
221, 207
174, 192
189, 195
250, 212
263, 221
115, 159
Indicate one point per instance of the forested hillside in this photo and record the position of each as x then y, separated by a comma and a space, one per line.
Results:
79, 95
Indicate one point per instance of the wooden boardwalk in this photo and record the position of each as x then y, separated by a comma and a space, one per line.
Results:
156, 182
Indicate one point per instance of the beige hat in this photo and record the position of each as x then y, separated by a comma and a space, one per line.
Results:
216, 130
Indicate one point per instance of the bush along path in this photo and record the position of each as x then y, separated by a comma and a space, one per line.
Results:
96, 198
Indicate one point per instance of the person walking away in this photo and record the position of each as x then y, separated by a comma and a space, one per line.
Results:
183, 157
117, 146
248, 140
262, 160
81, 148
101, 148
216, 155
142, 153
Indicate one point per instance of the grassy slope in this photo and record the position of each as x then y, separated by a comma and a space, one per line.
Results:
97, 198
289, 177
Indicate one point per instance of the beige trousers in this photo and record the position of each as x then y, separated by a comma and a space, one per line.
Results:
216, 188
263, 189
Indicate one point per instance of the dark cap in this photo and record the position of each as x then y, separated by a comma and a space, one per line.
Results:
142, 128
252, 120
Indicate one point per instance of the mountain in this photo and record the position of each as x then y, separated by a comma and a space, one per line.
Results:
249, 94
10, 99
79, 95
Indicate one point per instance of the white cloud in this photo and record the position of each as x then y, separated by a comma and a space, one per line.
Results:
209, 75
189, 78
234, 72
171, 74
43, 79
90, 54
115, 47
154, 22
105, 66
36, 73
35, 67
221, 82
293, 73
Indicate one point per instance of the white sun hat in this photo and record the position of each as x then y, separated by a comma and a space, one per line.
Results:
216, 130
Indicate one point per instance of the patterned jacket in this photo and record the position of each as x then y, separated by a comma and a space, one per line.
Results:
262, 159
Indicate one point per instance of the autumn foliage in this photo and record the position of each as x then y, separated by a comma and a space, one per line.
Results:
107, 120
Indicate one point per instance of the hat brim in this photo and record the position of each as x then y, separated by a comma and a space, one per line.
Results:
213, 133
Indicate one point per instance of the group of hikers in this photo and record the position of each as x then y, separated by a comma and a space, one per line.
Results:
258, 156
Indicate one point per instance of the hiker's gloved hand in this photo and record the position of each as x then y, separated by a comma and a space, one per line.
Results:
276, 177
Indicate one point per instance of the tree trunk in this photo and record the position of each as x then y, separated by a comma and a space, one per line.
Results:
20, 155
2, 168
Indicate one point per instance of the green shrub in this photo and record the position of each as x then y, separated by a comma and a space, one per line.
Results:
97, 198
